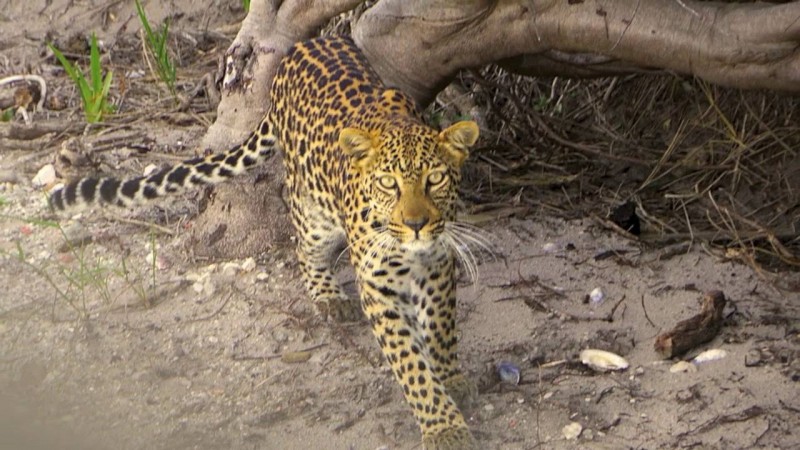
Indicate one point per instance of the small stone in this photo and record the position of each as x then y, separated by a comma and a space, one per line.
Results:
597, 296
249, 264
150, 169
753, 358
204, 286
551, 247
508, 373
710, 355
489, 407
683, 367
262, 276
296, 357
230, 268
45, 176
572, 431
198, 287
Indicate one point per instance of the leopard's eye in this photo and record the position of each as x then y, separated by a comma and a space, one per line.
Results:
387, 182
436, 178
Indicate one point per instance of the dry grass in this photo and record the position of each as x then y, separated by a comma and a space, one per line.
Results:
702, 162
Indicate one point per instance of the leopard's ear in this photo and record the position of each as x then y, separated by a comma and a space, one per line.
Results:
359, 145
457, 140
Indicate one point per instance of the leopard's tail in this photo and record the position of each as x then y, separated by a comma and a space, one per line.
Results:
212, 169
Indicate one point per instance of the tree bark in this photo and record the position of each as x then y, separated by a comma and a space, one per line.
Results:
418, 46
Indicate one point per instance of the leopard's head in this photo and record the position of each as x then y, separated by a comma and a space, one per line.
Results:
410, 174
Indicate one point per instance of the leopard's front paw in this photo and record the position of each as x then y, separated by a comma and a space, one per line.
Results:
450, 439
462, 390
338, 309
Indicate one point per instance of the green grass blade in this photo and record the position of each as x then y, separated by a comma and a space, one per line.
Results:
94, 65
143, 19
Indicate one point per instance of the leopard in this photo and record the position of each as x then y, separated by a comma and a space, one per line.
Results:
362, 168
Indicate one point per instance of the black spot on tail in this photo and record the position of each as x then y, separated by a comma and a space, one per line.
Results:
233, 159
157, 178
70, 193
57, 199
130, 188
150, 192
206, 169
108, 189
178, 175
88, 188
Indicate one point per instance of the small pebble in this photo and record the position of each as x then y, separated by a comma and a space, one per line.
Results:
550, 247
249, 264
150, 169
683, 367
45, 176
710, 355
508, 373
230, 268
295, 357
597, 296
753, 358
572, 431
262, 276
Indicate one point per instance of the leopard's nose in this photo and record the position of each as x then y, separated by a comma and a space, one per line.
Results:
416, 224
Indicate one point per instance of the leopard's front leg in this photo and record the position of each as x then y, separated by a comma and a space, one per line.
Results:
394, 319
434, 297
318, 241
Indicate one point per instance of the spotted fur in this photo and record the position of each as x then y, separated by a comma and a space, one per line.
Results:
361, 167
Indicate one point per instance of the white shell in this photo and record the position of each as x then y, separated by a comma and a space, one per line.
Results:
710, 355
597, 296
603, 361
683, 366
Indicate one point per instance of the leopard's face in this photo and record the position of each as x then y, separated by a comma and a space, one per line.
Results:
410, 177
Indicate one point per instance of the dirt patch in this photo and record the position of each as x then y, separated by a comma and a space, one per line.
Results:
230, 355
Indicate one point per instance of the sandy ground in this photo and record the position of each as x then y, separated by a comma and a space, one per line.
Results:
229, 355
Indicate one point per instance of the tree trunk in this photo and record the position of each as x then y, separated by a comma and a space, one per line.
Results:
418, 46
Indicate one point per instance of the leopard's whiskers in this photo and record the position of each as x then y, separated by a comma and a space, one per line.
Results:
462, 238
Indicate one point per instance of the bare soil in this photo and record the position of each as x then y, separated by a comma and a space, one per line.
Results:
229, 355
